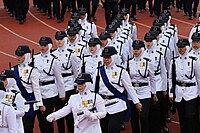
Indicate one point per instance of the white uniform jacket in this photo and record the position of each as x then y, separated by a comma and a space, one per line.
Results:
7, 117
70, 66
187, 71
142, 71
78, 103
30, 80
120, 79
50, 72
158, 62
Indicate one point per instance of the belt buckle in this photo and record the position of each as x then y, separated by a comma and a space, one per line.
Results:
106, 97
40, 83
136, 85
183, 84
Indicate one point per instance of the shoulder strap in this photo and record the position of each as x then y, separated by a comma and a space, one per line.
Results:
115, 91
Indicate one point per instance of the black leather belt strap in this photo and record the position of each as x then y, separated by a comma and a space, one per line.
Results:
183, 84
47, 82
66, 74
108, 97
140, 84
156, 73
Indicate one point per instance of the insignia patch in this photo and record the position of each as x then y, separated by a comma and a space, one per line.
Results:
142, 64
188, 63
86, 103
114, 74
25, 71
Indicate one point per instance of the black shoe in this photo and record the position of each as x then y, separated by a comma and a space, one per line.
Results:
185, 13
62, 19
168, 119
44, 14
49, 17
94, 18
58, 21
135, 17
165, 129
122, 127
21, 21
151, 14
11, 15
190, 17
195, 15
178, 10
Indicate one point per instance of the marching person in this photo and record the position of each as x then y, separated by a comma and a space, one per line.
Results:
51, 82
27, 77
114, 81
89, 27
14, 98
156, 114
7, 116
84, 101
93, 57
111, 10
187, 81
142, 76
70, 70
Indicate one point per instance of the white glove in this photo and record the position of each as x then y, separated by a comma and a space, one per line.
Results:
87, 113
50, 118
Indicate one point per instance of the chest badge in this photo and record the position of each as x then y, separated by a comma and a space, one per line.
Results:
25, 72
114, 74
188, 63
142, 64
77, 51
86, 103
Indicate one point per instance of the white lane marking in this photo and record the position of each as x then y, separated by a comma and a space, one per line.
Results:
43, 22
7, 54
24, 38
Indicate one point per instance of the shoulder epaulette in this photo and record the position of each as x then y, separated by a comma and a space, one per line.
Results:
193, 58
159, 52
81, 44
54, 56
120, 66
52, 50
15, 91
70, 50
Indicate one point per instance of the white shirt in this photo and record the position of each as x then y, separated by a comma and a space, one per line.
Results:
183, 68
46, 63
78, 103
138, 66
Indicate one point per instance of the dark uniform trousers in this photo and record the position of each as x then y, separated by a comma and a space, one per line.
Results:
22, 7
142, 5
132, 3
186, 113
157, 7
47, 6
28, 123
142, 117
45, 126
85, 4
95, 4
122, 4
73, 2
69, 118
188, 6
112, 122
157, 114
179, 4
57, 8
189, 3
110, 6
